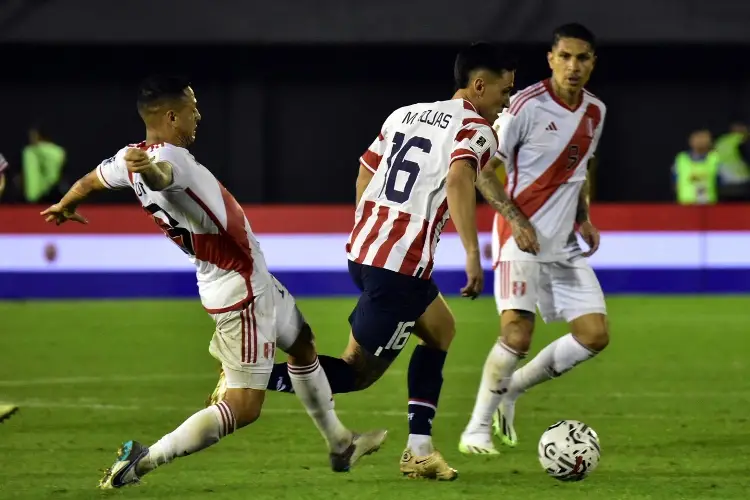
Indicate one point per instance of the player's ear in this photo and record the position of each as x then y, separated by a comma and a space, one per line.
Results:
550, 56
479, 83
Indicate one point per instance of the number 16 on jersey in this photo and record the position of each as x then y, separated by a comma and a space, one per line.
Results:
397, 162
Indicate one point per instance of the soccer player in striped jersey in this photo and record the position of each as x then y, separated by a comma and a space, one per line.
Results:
252, 310
548, 137
420, 169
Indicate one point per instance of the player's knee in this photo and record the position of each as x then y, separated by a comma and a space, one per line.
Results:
303, 351
446, 335
517, 328
246, 405
592, 331
437, 336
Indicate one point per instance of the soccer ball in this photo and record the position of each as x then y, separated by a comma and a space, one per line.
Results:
569, 450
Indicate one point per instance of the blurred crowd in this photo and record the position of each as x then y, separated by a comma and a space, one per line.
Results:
713, 170
40, 177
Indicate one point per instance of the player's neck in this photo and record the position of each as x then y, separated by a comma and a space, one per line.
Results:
570, 97
156, 137
462, 94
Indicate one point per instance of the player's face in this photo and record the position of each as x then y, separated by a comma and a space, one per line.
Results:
571, 61
494, 93
187, 117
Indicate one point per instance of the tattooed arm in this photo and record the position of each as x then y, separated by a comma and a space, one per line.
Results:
492, 190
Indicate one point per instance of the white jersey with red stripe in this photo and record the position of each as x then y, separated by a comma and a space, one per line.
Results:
403, 210
545, 146
204, 220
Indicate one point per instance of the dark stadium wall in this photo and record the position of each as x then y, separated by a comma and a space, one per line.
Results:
346, 22
287, 124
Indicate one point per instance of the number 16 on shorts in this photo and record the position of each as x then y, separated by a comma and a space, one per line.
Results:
399, 338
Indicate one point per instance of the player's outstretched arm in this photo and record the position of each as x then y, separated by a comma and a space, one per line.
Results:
65, 209
363, 180
493, 191
462, 205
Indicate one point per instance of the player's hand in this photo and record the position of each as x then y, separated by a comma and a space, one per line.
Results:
590, 235
474, 276
61, 214
525, 235
137, 160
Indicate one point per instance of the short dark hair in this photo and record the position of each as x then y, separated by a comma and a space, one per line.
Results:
480, 56
40, 129
574, 30
157, 89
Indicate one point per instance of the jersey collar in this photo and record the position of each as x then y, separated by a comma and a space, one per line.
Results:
548, 86
469, 105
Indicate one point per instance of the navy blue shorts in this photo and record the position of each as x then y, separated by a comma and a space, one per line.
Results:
390, 304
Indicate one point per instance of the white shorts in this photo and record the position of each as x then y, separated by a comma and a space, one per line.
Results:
245, 341
563, 290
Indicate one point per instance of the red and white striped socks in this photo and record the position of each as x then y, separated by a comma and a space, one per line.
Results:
198, 432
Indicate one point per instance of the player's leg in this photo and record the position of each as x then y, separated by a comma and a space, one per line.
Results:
358, 367
575, 295
235, 344
339, 372
311, 386
436, 328
516, 292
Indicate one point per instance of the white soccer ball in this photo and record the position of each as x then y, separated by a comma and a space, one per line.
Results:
569, 450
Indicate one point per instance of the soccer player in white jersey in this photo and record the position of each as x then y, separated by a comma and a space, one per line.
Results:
547, 137
253, 312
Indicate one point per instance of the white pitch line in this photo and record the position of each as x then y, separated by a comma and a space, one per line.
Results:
104, 380
106, 407
676, 394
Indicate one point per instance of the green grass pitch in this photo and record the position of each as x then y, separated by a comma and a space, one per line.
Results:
669, 398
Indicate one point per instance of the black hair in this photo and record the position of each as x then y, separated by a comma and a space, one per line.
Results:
157, 89
40, 129
480, 56
574, 30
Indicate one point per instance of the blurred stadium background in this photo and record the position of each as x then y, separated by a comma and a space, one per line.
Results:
291, 94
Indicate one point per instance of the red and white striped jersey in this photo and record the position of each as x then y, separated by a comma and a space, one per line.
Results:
204, 220
403, 210
545, 146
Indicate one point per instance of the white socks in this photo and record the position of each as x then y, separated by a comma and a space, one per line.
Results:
312, 388
557, 358
420, 444
198, 432
502, 382
496, 377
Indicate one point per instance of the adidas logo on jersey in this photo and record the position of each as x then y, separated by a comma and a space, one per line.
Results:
551, 126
